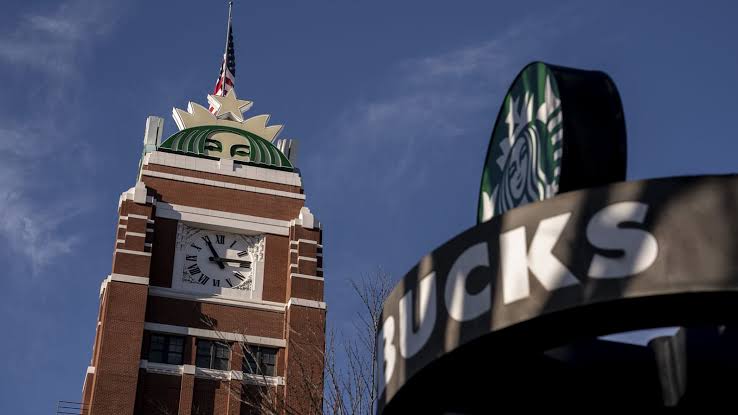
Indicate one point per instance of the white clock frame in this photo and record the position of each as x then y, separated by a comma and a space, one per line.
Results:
256, 248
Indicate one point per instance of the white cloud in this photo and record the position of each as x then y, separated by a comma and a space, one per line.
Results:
435, 101
52, 42
62, 27
490, 56
32, 214
29, 228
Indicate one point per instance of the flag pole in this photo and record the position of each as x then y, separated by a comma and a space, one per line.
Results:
225, 52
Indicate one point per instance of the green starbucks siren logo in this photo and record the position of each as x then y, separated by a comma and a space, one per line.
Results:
223, 142
524, 159
559, 129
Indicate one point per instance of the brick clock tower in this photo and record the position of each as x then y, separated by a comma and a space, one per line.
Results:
214, 304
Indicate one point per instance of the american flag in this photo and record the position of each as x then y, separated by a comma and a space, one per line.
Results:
227, 76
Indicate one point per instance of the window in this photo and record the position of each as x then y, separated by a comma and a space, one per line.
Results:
212, 355
166, 349
260, 360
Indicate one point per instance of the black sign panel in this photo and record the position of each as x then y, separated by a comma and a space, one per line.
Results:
627, 256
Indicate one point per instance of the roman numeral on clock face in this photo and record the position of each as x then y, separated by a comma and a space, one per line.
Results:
230, 265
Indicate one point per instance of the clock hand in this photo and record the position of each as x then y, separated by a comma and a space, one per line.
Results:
215, 256
238, 261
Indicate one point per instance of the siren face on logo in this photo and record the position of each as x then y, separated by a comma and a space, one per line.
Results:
524, 158
518, 171
227, 145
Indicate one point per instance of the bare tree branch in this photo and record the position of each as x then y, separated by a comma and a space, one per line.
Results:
354, 385
334, 383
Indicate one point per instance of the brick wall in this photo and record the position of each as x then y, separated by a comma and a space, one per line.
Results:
224, 199
223, 178
298, 232
275, 268
307, 289
160, 394
87, 389
210, 397
119, 348
118, 339
185, 394
305, 349
131, 264
226, 318
307, 266
165, 237
255, 398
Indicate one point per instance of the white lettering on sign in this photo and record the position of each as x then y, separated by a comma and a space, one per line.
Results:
638, 251
515, 261
640, 247
461, 305
412, 341
386, 354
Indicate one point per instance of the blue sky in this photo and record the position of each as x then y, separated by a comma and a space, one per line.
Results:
392, 102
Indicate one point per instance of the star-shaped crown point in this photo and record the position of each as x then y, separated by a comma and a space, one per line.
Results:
229, 106
228, 112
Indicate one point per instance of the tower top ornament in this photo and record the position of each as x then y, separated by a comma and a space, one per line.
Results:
222, 132
229, 106
229, 113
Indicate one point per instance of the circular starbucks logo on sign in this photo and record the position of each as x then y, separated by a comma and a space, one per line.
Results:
524, 158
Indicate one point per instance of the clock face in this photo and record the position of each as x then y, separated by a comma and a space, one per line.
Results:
220, 262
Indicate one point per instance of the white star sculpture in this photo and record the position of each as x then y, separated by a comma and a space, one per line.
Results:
229, 106
229, 113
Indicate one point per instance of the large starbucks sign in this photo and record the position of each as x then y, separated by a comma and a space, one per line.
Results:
565, 251
549, 119
628, 256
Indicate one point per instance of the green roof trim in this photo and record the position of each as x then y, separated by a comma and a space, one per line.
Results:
192, 142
